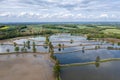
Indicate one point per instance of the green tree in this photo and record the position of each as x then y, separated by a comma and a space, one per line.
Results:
28, 44
16, 49
97, 64
63, 46
57, 69
47, 40
118, 43
50, 47
59, 45
15, 44
34, 48
97, 59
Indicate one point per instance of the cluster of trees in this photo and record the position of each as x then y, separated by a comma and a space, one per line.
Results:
51, 51
92, 31
70, 25
26, 46
61, 46
57, 70
20, 31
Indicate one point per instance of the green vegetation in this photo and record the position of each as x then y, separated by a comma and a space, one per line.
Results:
4, 27
47, 40
34, 48
57, 70
88, 63
16, 49
91, 31
110, 31
97, 59
56, 67
28, 44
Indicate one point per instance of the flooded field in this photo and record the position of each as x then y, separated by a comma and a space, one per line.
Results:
68, 49
87, 56
26, 67
105, 71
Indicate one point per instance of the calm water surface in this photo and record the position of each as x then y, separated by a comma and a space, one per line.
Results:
105, 71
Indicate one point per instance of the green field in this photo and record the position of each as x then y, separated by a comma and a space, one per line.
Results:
4, 28
117, 31
91, 30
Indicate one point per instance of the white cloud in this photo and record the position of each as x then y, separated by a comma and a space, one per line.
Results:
60, 9
104, 15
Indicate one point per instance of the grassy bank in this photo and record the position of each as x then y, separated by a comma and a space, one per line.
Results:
88, 63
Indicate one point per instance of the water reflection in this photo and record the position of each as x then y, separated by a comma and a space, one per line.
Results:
88, 56
105, 71
97, 64
59, 49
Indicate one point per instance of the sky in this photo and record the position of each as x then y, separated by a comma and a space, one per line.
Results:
59, 10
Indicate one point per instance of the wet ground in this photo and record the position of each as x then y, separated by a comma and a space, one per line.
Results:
26, 67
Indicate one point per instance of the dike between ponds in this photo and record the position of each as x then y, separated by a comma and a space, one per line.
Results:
88, 63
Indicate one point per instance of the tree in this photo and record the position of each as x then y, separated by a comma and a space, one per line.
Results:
71, 41
34, 48
24, 44
83, 49
57, 69
63, 46
23, 49
118, 43
16, 49
47, 40
97, 64
50, 47
59, 45
97, 59
96, 47
15, 44
8, 50
28, 44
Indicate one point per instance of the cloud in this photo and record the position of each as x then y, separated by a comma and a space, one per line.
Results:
104, 16
60, 9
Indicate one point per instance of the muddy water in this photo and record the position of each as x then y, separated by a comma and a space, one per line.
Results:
26, 67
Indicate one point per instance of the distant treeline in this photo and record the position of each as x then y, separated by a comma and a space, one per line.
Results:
90, 30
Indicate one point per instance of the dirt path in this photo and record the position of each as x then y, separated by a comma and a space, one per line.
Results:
26, 67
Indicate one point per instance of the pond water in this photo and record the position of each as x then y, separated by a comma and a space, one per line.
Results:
105, 71
74, 53
86, 56
3, 48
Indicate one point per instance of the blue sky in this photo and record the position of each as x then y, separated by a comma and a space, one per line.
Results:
59, 10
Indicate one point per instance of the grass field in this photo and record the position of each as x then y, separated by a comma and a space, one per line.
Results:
112, 31
4, 28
